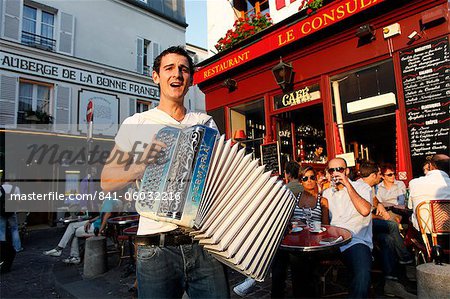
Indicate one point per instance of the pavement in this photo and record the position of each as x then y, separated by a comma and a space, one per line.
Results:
35, 275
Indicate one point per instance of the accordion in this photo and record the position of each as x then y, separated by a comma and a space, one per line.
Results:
236, 210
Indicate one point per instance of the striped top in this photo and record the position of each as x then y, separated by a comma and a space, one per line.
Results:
316, 211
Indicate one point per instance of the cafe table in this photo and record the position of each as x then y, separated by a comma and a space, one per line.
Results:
72, 219
120, 223
122, 232
130, 233
123, 220
330, 237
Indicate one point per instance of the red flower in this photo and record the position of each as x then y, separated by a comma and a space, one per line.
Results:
244, 28
309, 10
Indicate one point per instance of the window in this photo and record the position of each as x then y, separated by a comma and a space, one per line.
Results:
364, 106
142, 106
38, 28
249, 117
34, 102
147, 62
147, 51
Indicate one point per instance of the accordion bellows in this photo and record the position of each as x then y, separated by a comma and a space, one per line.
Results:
236, 210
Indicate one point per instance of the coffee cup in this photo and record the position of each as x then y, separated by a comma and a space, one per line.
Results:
316, 226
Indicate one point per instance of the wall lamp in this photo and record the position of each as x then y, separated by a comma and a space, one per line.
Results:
283, 74
239, 135
414, 36
365, 33
231, 84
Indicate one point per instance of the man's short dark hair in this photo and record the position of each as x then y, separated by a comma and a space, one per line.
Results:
367, 168
441, 162
385, 166
292, 169
173, 50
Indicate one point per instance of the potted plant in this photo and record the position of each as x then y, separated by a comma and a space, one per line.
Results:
38, 117
311, 5
242, 29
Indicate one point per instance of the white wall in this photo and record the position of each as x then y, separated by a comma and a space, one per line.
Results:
221, 18
106, 30
195, 98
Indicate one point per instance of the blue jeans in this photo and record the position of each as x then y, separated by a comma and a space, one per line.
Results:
358, 260
14, 228
166, 272
390, 228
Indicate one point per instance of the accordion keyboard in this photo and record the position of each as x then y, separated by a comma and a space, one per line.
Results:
153, 176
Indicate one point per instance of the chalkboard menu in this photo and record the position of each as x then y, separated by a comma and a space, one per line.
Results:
426, 85
270, 156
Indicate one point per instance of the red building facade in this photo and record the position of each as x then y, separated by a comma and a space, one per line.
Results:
371, 77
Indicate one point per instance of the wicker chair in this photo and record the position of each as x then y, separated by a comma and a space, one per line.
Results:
433, 217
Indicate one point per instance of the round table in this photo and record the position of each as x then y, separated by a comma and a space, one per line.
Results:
123, 220
71, 219
124, 224
131, 231
308, 241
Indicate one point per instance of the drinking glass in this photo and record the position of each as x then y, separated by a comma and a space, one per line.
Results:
308, 215
333, 183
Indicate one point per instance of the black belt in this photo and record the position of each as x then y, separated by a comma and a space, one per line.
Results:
173, 238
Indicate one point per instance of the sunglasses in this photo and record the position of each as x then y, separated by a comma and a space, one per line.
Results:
389, 174
338, 169
311, 177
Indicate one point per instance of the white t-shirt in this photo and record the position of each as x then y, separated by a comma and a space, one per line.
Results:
141, 128
344, 214
434, 185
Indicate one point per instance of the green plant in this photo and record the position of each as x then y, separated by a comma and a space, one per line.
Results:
38, 117
311, 5
242, 29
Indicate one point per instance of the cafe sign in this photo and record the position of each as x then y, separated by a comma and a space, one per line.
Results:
296, 97
304, 95
321, 19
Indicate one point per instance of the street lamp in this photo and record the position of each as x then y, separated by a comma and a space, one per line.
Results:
283, 74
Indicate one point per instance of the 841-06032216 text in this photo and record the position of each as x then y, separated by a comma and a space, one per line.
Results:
97, 195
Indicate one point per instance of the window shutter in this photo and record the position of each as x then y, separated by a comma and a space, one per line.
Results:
132, 106
140, 56
12, 16
62, 108
9, 87
66, 33
156, 50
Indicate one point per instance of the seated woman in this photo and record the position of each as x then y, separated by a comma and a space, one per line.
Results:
311, 198
304, 267
390, 191
86, 228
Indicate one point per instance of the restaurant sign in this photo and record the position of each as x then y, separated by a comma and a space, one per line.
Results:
51, 70
322, 18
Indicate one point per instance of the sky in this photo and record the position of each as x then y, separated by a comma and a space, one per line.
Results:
196, 33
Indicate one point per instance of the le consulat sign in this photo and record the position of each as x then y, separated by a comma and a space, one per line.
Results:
324, 17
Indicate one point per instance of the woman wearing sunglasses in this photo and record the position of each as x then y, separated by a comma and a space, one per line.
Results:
311, 198
304, 268
390, 191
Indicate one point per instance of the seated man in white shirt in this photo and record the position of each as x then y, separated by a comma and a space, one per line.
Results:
434, 185
350, 206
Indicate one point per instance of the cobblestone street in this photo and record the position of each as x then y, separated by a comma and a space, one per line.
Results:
35, 275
